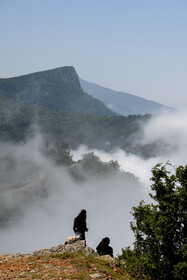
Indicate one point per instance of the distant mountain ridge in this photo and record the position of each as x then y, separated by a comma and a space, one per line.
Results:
54, 103
57, 89
121, 102
61, 89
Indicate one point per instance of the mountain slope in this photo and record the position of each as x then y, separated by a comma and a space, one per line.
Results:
57, 89
120, 102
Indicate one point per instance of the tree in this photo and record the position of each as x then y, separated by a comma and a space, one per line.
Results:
93, 165
160, 248
59, 152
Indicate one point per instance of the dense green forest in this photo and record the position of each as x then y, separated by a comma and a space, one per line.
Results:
96, 132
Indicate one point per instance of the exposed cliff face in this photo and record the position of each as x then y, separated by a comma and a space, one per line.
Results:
67, 74
57, 89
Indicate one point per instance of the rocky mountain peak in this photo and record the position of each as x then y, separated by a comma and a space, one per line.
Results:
66, 74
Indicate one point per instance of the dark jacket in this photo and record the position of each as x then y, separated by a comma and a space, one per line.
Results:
79, 225
103, 248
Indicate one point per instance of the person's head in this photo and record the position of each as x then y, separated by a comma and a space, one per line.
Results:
106, 240
82, 214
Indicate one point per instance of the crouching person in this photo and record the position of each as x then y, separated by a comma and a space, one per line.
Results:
103, 248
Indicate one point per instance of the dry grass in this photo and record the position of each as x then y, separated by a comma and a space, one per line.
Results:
69, 266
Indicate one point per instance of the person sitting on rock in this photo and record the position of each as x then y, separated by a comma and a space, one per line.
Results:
103, 248
79, 225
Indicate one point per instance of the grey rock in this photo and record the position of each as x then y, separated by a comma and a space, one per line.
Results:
107, 258
72, 239
72, 244
96, 276
88, 251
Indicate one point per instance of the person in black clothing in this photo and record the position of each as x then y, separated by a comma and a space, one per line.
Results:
79, 225
103, 248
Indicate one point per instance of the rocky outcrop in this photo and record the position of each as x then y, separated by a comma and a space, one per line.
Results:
60, 266
72, 244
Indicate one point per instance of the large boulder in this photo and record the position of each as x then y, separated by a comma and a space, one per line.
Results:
72, 244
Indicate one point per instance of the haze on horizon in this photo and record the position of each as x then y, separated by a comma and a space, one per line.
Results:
138, 47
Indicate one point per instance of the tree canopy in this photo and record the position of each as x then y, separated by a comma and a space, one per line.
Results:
160, 248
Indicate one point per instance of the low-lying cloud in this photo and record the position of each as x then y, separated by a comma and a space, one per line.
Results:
48, 220
167, 130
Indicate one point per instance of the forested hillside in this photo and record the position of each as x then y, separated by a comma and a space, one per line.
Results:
96, 132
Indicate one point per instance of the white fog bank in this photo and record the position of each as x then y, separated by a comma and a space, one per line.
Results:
168, 129
48, 221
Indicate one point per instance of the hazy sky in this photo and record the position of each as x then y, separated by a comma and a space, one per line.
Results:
136, 46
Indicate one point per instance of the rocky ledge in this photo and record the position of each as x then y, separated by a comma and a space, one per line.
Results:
72, 244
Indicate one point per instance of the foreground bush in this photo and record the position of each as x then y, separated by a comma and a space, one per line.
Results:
160, 248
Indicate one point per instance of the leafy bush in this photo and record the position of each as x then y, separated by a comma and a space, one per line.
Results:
160, 229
